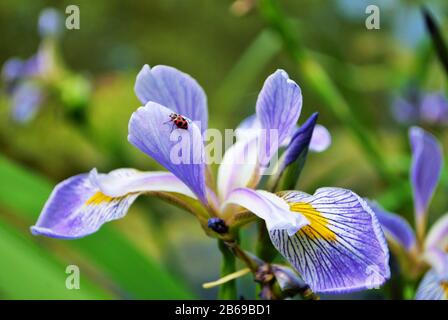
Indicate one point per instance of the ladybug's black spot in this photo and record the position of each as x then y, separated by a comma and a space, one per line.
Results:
218, 225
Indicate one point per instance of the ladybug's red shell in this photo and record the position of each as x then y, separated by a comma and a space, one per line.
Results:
179, 121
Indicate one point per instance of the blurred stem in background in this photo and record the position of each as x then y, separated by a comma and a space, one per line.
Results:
318, 80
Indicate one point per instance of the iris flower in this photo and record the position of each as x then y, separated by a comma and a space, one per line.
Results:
26, 80
417, 250
332, 238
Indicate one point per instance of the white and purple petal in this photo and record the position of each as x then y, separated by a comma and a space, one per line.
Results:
239, 167
434, 285
343, 249
269, 207
395, 227
437, 236
432, 288
278, 108
175, 90
181, 151
80, 205
321, 139
426, 167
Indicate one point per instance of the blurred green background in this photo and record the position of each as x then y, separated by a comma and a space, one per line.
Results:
158, 251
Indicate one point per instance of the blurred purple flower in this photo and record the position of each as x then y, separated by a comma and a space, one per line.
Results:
50, 23
320, 234
430, 108
425, 172
26, 101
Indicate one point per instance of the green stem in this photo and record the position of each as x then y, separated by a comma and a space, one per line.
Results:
323, 86
227, 291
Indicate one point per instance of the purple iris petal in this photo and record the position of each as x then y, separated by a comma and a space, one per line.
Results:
50, 22
431, 287
12, 69
394, 226
300, 141
27, 98
173, 89
404, 112
343, 249
438, 234
321, 139
181, 151
434, 108
80, 205
426, 167
278, 109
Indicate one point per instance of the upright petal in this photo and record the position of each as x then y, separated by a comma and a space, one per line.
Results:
395, 227
239, 167
278, 109
269, 207
438, 234
300, 142
426, 167
321, 139
80, 205
173, 89
181, 151
342, 249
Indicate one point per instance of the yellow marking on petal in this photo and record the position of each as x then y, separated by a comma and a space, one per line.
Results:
318, 227
444, 286
99, 198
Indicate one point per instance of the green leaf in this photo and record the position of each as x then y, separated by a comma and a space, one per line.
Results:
27, 271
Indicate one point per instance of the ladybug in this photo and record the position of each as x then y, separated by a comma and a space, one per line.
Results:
179, 121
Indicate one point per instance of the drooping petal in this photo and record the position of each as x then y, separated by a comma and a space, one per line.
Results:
395, 227
438, 234
12, 69
80, 205
434, 285
173, 89
278, 108
239, 167
269, 207
321, 139
426, 167
181, 151
342, 249
26, 101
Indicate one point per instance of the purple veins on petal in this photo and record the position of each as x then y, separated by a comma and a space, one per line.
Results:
80, 205
181, 151
278, 108
343, 249
175, 90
